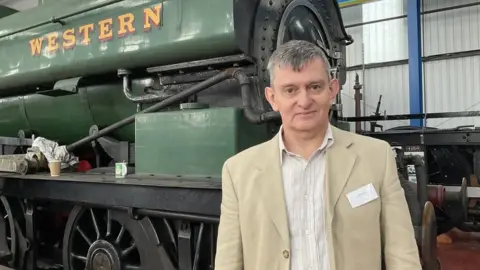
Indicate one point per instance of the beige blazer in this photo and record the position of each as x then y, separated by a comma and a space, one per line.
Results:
253, 232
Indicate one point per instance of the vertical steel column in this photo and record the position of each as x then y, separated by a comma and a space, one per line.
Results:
415, 60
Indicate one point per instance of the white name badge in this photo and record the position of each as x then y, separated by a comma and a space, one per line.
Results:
362, 195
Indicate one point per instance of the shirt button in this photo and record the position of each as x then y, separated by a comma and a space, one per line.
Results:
286, 254
307, 232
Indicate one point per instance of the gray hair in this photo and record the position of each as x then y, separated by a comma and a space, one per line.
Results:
296, 54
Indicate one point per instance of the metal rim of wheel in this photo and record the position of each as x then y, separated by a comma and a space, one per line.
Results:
9, 231
298, 16
429, 237
108, 239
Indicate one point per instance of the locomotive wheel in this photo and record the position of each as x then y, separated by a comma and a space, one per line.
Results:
8, 239
280, 21
111, 240
414, 208
429, 238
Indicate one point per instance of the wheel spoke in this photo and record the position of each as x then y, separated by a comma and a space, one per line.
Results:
79, 257
109, 223
170, 233
120, 235
112, 237
95, 224
84, 236
127, 251
132, 267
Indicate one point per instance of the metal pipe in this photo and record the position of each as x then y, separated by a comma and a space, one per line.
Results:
358, 102
147, 98
166, 214
422, 182
158, 106
59, 19
246, 92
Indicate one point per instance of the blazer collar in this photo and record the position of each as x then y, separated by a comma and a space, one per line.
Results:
339, 164
327, 141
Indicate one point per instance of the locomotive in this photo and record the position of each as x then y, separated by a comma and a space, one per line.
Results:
163, 91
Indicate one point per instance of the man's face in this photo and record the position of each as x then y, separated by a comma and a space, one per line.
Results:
302, 98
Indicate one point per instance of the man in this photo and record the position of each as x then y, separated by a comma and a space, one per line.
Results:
313, 197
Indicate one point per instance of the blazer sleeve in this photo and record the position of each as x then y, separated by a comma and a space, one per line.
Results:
229, 255
400, 247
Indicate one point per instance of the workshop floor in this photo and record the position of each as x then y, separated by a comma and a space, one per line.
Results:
459, 251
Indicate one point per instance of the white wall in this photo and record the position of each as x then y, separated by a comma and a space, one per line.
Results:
449, 84
452, 84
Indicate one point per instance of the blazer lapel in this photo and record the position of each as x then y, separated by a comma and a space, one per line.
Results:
340, 162
271, 185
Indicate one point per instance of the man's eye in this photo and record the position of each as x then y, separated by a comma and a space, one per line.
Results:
289, 90
316, 87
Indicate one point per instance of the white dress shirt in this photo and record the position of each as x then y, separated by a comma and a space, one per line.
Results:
303, 182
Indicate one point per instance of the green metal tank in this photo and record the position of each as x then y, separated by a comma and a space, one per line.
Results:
106, 35
60, 61
67, 118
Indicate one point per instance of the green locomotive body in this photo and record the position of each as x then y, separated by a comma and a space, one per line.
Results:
127, 34
168, 88
65, 68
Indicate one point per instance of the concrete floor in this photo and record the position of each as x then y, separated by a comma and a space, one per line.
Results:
459, 251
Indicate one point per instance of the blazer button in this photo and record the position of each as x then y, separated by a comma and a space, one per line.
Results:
286, 254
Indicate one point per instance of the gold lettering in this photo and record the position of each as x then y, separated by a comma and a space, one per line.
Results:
69, 39
126, 24
52, 45
85, 31
36, 46
105, 29
152, 16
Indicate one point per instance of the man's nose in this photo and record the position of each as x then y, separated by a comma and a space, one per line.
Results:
304, 99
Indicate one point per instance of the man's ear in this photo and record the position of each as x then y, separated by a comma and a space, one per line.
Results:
270, 96
334, 88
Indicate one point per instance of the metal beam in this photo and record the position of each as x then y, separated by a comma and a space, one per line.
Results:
430, 58
350, 3
415, 60
469, 5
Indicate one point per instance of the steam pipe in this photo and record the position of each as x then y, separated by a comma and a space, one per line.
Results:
246, 92
147, 98
238, 74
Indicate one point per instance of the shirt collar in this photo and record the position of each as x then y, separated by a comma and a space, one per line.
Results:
327, 141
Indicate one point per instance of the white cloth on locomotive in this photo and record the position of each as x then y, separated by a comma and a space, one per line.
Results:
52, 151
